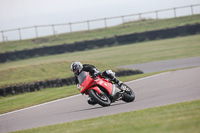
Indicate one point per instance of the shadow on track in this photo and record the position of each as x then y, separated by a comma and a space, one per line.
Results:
94, 108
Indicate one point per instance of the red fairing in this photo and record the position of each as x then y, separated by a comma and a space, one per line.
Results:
96, 89
102, 91
105, 84
90, 83
86, 83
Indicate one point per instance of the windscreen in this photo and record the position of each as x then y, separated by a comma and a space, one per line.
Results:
81, 77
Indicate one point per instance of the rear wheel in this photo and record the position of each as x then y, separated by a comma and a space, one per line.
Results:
101, 99
129, 95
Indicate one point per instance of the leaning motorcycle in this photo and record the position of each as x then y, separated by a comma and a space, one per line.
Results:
103, 91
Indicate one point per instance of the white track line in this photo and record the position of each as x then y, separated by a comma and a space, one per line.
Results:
77, 95
40, 105
147, 77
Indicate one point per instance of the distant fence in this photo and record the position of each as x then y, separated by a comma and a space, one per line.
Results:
55, 29
98, 43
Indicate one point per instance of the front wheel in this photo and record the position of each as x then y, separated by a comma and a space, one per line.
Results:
129, 95
101, 99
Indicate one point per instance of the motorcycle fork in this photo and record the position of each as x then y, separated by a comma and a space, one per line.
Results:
116, 94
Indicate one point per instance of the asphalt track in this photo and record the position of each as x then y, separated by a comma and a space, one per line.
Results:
157, 90
165, 65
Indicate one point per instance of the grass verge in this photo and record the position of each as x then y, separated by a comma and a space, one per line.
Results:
136, 53
19, 101
131, 27
41, 72
58, 66
175, 118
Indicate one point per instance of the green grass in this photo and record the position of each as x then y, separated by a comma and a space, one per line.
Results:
131, 27
19, 101
40, 72
58, 66
176, 118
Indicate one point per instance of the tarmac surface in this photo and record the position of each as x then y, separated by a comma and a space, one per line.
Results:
157, 90
165, 65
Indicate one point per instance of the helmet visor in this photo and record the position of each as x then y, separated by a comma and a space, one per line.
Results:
76, 71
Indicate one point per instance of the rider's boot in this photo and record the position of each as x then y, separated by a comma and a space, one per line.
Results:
118, 82
111, 75
91, 101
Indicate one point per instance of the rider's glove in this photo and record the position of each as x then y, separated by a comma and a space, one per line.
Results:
96, 74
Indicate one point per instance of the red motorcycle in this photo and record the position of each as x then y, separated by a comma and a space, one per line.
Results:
103, 91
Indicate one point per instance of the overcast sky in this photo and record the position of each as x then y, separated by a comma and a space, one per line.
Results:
25, 13
22, 13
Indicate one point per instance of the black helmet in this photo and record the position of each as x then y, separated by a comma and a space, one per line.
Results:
76, 67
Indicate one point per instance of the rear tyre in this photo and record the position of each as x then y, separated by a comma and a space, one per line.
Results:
129, 95
101, 99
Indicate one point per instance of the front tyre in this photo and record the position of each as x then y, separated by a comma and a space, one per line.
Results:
101, 99
129, 95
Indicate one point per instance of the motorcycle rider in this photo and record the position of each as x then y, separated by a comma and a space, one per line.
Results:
77, 68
